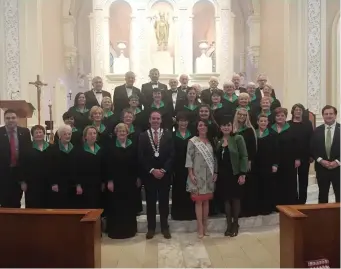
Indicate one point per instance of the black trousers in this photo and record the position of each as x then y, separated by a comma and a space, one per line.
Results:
326, 177
10, 189
157, 190
303, 179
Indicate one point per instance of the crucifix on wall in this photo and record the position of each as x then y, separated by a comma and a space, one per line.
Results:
38, 84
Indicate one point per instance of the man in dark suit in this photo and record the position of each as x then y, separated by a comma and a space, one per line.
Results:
147, 88
207, 93
325, 148
156, 154
14, 142
175, 94
262, 80
123, 92
95, 96
236, 81
183, 79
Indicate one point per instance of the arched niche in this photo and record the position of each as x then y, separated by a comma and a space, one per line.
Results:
336, 61
119, 26
204, 27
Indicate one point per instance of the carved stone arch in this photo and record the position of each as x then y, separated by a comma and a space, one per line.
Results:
173, 3
108, 3
335, 60
213, 2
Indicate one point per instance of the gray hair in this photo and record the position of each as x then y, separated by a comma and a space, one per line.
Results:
62, 129
228, 83
236, 76
213, 79
251, 85
183, 75
129, 74
95, 78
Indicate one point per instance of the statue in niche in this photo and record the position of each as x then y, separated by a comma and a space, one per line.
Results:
161, 27
211, 53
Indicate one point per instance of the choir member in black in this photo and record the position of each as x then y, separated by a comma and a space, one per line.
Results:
243, 127
204, 113
262, 79
14, 142
103, 134
230, 99
198, 90
124, 92
95, 95
77, 136
182, 204
325, 148
63, 167
266, 164
161, 106
80, 112
254, 102
236, 81
138, 115
288, 152
156, 155
217, 108
133, 135
147, 88
265, 104
122, 182
110, 119
303, 128
175, 95
37, 170
267, 92
206, 94
232, 167
89, 172
190, 105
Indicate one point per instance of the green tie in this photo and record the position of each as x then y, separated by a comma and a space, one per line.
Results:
328, 141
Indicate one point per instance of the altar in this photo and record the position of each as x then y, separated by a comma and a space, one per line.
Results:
176, 37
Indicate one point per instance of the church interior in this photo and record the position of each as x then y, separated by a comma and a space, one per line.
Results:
296, 44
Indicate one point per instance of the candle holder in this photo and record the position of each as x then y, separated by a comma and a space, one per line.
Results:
70, 95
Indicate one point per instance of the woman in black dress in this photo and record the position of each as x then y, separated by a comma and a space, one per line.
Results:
134, 105
190, 105
289, 159
63, 167
182, 204
232, 168
79, 112
217, 107
265, 108
77, 135
122, 181
267, 91
243, 127
109, 118
37, 169
96, 116
303, 128
89, 171
230, 99
266, 164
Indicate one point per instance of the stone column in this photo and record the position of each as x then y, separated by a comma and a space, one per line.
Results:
224, 46
242, 62
254, 39
181, 33
97, 43
316, 85
187, 45
218, 44
106, 45
177, 46
231, 69
142, 51
133, 43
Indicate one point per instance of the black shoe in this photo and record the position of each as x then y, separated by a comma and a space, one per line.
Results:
166, 234
150, 234
234, 229
228, 231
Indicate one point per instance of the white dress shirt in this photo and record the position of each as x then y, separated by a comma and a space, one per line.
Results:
99, 97
332, 131
129, 91
174, 97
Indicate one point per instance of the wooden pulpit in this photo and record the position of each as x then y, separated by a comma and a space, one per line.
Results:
23, 109
309, 233
46, 238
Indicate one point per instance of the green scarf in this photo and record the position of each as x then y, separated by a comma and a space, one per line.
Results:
264, 134
45, 146
128, 143
187, 134
88, 149
68, 150
286, 126
162, 104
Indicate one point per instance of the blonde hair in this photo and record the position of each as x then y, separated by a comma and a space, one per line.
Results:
121, 126
265, 98
237, 125
62, 129
94, 110
245, 95
213, 79
86, 129
268, 86
228, 83
105, 99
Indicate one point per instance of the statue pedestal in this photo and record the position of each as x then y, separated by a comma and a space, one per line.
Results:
121, 65
163, 61
203, 65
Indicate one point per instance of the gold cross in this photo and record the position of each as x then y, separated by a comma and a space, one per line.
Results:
38, 84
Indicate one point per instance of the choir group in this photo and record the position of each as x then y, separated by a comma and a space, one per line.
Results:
230, 150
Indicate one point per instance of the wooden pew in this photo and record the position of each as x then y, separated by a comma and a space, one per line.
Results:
309, 232
50, 238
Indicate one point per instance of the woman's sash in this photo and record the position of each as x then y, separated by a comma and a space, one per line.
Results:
205, 152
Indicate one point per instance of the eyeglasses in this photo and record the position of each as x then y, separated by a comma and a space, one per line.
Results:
242, 115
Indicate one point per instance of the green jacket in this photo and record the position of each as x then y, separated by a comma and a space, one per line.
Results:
238, 154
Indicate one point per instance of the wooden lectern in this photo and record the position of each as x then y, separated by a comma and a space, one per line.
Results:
50, 238
309, 232
24, 110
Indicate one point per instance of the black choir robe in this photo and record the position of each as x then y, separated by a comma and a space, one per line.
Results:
182, 204
63, 167
147, 92
10, 178
121, 99
230, 105
91, 99
37, 167
166, 112
206, 96
191, 111
266, 157
76, 138
89, 174
258, 93
286, 176
139, 119
110, 121
179, 96
81, 118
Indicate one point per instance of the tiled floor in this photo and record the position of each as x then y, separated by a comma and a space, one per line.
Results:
258, 249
